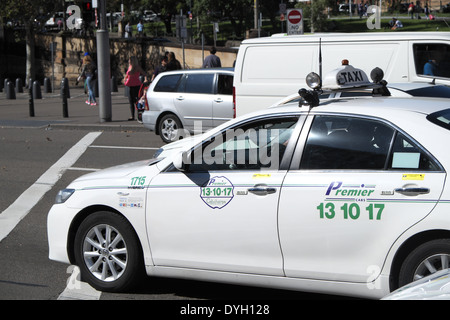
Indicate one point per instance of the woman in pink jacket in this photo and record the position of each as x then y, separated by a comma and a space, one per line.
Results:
133, 82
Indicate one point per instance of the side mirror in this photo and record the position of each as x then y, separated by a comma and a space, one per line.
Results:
180, 161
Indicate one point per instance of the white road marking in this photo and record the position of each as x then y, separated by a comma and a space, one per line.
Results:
78, 290
11, 216
119, 147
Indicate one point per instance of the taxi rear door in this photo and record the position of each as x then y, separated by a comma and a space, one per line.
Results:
356, 185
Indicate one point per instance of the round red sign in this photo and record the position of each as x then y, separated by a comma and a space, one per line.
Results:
294, 16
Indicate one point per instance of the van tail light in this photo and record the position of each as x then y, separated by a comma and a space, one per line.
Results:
234, 102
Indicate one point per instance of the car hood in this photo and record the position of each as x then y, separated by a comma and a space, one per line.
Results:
116, 172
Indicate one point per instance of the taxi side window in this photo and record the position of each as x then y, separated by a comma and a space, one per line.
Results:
256, 146
406, 155
347, 143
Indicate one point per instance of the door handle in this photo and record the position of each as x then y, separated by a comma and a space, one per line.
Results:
218, 100
180, 98
262, 190
412, 191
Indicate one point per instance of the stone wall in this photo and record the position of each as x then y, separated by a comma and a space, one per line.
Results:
70, 51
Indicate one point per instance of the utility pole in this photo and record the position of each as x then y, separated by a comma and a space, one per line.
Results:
103, 64
256, 15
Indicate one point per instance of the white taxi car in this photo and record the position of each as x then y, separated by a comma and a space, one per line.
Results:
344, 197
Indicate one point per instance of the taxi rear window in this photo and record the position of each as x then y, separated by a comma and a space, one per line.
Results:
441, 118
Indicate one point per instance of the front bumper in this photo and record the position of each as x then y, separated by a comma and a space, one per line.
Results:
59, 220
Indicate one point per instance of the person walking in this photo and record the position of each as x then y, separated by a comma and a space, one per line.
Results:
128, 30
133, 83
212, 61
140, 29
88, 72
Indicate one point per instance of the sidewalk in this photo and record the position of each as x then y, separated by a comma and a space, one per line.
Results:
48, 112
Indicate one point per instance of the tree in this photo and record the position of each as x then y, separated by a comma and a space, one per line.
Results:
167, 8
30, 14
239, 12
316, 10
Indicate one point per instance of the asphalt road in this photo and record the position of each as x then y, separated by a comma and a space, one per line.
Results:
26, 273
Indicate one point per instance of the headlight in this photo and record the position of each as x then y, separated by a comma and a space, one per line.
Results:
63, 195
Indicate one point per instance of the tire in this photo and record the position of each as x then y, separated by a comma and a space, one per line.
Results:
111, 263
426, 259
170, 128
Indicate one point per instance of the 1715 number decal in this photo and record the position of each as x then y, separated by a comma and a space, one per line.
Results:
350, 211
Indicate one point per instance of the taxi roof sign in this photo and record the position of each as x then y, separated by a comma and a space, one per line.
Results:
346, 77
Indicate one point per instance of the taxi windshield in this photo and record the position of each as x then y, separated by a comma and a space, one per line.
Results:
441, 118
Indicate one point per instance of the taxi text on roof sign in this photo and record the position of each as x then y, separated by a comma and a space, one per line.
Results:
345, 77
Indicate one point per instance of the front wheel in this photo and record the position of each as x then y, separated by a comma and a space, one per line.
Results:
426, 259
108, 252
170, 128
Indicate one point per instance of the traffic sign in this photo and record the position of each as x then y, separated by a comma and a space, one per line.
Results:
295, 21
294, 16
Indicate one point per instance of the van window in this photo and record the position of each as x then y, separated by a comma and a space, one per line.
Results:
432, 59
197, 83
168, 83
225, 84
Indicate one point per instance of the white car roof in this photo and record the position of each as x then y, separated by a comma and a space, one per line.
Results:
367, 106
339, 37
398, 89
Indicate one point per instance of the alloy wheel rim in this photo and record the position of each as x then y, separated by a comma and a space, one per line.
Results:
431, 265
169, 129
105, 253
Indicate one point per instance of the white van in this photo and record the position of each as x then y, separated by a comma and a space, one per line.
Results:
268, 69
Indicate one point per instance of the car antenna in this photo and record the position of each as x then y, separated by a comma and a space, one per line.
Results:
320, 61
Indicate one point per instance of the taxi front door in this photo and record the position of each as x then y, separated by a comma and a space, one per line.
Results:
215, 221
358, 186
222, 213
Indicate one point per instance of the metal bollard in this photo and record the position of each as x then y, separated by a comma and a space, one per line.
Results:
37, 94
47, 85
64, 91
5, 84
10, 91
30, 100
65, 81
114, 87
19, 85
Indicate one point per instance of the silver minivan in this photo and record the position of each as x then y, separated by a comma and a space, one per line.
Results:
190, 101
